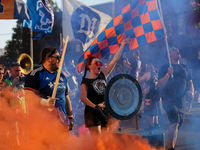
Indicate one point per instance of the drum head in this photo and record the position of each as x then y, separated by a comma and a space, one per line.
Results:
123, 96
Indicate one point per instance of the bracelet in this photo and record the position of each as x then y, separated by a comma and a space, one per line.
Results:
70, 117
123, 44
167, 74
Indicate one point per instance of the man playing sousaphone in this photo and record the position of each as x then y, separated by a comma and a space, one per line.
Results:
13, 89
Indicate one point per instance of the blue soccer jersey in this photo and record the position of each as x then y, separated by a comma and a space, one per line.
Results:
42, 82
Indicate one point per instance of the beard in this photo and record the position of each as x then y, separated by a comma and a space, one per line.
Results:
54, 66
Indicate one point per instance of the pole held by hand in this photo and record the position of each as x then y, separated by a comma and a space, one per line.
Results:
59, 69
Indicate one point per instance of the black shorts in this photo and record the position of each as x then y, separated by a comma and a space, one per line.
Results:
151, 103
196, 84
93, 118
175, 114
151, 107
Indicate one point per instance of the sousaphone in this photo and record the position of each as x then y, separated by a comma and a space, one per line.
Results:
26, 63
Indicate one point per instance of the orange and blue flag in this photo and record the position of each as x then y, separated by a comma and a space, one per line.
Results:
139, 20
13, 9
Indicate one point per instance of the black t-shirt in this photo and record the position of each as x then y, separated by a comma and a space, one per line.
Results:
134, 65
195, 66
152, 84
175, 89
96, 88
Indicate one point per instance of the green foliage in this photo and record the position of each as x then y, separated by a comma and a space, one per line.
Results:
196, 6
197, 9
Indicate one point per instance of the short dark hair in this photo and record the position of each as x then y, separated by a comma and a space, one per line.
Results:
173, 49
170, 49
149, 66
137, 52
15, 64
46, 52
1, 68
119, 65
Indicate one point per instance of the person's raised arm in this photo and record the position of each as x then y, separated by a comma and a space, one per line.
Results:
116, 57
127, 64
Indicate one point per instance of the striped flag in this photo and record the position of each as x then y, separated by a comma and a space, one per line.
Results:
13, 9
139, 20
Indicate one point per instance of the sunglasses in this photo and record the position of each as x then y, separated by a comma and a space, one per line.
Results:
17, 70
98, 63
173, 49
57, 57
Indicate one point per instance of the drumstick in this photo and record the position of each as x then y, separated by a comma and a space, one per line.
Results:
101, 113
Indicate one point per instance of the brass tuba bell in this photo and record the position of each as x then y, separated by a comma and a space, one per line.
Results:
26, 63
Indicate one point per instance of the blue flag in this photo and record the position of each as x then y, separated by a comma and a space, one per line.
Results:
42, 17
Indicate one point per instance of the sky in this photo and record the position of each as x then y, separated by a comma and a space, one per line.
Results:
7, 25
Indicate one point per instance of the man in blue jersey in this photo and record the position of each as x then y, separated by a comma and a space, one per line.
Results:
40, 83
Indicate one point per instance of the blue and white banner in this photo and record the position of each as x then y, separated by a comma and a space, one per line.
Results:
82, 23
42, 17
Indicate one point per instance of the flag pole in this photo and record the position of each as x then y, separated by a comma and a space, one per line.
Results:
31, 43
165, 33
60, 68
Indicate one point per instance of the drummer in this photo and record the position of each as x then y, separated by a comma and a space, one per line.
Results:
93, 89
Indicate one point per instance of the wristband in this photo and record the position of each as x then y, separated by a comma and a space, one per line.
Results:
71, 117
167, 74
123, 44
44, 102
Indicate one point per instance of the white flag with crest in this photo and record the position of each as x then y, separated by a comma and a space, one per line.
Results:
82, 23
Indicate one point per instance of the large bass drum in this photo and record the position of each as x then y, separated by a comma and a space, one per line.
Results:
123, 96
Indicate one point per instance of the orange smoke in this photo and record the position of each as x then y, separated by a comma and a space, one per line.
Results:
110, 141
42, 129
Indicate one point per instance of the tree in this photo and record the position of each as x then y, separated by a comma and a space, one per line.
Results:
196, 6
20, 42
14, 47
